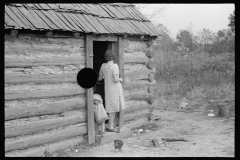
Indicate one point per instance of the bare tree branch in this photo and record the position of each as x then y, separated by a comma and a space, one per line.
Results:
155, 13
141, 6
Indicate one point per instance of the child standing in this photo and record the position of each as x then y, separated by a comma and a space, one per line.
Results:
99, 113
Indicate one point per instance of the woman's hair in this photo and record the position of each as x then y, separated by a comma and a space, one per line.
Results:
109, 55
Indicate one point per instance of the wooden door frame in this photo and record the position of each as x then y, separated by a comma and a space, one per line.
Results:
118, 47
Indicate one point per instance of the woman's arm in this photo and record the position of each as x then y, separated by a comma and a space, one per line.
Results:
100, 74
116, 74
116, 78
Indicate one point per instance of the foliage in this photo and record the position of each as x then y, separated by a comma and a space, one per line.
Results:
165, 42
232, 21
185, 41
195, 66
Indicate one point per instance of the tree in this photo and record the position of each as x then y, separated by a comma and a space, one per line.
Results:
232, 21
185, 40
164, 41
205, 39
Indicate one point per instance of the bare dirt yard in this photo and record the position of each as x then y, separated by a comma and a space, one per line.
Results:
206, 137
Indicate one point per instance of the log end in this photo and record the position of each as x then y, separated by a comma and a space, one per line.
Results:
151, 99
149, 53
13, 33
150, 64
151, 77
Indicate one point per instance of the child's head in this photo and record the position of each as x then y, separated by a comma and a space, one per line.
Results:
97, 99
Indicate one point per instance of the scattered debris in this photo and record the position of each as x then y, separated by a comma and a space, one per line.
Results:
148, 130
155, 142
174, 139
183, 105
140, 131
143, 148
47, 153
223, 120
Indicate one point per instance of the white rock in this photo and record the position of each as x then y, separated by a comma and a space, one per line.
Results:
210, 115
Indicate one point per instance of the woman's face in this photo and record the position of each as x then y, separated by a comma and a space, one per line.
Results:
95, 101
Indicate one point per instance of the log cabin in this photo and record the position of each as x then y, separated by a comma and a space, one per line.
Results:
46, 45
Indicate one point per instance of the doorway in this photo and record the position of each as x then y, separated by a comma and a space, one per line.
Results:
96, 45
99, 48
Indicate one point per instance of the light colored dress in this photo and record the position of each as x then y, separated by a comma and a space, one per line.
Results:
100, 113
114, 97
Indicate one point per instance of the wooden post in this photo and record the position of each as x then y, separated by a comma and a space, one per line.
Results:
121, 68
90, 114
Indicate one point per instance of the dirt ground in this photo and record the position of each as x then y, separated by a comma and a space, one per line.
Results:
207, 137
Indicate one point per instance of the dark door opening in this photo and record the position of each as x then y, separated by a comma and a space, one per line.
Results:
99, 48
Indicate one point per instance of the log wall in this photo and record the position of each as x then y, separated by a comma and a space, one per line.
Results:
138, 79
44, 105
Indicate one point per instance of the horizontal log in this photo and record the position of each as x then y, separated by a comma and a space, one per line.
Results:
137, 124
45, 138
138, 84
141, 74
104, 38
28, 50
132, 58
135, 45
133, 116
141, 95
16, 62
43, 40
146, 38
44, 124
137, 106
52, 147
49, 93
43, 109
49, 78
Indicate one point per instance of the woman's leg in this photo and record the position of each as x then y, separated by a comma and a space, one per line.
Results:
111, 120
100, 127
103, 127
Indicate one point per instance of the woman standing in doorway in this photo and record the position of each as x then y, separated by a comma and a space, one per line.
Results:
114, 97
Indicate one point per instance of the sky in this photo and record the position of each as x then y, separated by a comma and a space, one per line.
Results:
199, 16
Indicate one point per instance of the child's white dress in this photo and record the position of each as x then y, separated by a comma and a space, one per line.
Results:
100, 113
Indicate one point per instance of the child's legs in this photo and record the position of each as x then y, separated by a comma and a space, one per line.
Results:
111, 119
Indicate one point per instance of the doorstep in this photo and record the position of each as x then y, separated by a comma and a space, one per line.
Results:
111, 136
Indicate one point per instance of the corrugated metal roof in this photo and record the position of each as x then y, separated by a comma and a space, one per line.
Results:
117, 18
